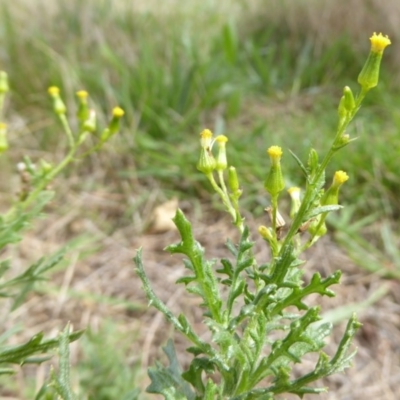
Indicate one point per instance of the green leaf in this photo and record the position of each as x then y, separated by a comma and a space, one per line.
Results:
168, 381
61, 381
321, 210
299, 163
194, 374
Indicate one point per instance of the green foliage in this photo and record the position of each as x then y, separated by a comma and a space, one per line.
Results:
257, 314
29, 204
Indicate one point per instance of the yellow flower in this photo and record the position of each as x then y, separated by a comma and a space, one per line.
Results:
206, 138
379, 42
275, 153
332, 194
82, 94
339, 178
118, 112
369, 75
53, 90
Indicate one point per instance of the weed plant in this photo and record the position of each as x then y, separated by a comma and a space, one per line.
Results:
246, 303
33, 196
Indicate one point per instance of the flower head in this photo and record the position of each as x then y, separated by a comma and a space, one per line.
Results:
369, 75
118, 112
53, 91
339, 178
331, 196
379, 42
82, 94
206, 162
274, 183
206, 139
58, 105
275, 154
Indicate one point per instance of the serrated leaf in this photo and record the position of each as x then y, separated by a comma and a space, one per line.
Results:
185, 280
194, 374
168, 381
321, 210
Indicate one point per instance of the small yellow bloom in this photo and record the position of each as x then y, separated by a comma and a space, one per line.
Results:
82, 94
339, 178
118, 112
221, 139
53, 90
275, 152
331, 196
379, 42
206, 139
369, 75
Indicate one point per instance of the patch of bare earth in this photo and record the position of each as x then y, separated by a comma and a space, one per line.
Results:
84, 286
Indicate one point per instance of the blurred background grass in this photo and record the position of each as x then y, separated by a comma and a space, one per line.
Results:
262, 72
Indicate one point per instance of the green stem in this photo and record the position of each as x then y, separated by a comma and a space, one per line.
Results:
321, 169
223, 194
67, 129
42, 185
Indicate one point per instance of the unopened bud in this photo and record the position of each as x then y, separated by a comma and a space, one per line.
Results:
89, 124
206, 163
58, 105
274, 183
349, 102
331, 196
265, 233
83, 110
369, 75
221, 162
233, 182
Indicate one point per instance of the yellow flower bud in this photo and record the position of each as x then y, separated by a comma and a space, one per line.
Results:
274, 183
82, 94
206, 139
118, 112
206, 162
266, 233
233, 181
58, 105
369, 75
331, 196
83, 110
221, 162
113, 126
